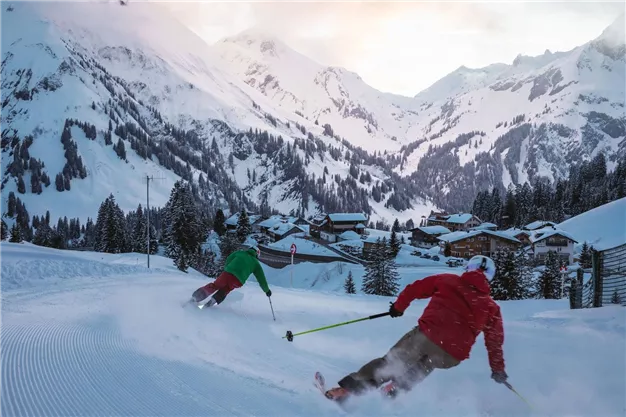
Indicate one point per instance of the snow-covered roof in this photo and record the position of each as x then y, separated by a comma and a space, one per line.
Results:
234, 219
546, 232
360, 226
603, 227
433, 230
460, 218
514, 231
371, 239
271, 221
485, 225
347, 217
460, 235
282, 228
350, 235
538, 224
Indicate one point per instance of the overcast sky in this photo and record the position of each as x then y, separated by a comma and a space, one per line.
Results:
403, 47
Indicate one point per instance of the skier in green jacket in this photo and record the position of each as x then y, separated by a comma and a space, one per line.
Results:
237, 269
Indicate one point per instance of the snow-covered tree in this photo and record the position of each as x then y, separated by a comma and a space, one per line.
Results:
549, 281
16, 234
506, 283
396, 226
349, 284
110, 231
184, 231
394, 243
229, 243
4, 230
528, 282
243, 226
218, 223
381, 274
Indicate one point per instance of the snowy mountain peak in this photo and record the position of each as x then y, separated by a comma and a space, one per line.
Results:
261, 43
612, 41
530, 62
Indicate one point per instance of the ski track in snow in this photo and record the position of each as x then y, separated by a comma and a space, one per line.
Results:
121, 345
78, 369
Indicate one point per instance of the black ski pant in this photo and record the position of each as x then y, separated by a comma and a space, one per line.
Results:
407, 363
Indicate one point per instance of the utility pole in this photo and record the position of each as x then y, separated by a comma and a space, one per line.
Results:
148, 178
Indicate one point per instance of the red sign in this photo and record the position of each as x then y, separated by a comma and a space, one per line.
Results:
293, 248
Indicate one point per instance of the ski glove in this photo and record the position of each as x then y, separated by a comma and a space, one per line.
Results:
499, 376
269, 293
393, 312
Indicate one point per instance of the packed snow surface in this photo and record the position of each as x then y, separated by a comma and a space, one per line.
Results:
94, 334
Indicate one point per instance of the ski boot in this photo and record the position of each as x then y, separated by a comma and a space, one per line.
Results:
199, 295
208, 304
337, 394
390, 390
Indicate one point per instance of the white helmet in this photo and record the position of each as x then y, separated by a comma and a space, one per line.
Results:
483, 264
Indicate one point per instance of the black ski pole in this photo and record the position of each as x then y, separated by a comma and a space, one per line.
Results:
272, 307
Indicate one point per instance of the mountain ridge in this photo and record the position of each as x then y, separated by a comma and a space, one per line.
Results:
309, 138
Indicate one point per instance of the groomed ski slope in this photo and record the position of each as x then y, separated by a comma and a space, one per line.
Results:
90, 334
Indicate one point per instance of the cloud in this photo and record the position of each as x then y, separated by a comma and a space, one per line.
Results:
405, 47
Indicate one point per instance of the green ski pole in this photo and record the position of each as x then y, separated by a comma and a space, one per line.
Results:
289, 336
509, 386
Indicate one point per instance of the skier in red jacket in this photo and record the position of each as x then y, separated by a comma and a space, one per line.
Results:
460, 308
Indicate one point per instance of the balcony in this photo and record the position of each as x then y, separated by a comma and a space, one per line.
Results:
557, 243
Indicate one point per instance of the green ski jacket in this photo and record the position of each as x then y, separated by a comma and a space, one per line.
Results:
242, 263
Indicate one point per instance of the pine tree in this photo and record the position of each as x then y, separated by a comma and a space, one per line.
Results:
43, 236
349, 284
615, 298
394, 243
4, 230
139, 232
396, 226
16, 234
218, 223
185, 234
527, 280
381, 275
12, 205
110, 234
243, 226
506, 284
447, 250
549, 280
585, 256
229, 243
21, 186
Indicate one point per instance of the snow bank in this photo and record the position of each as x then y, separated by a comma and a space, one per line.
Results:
303, 246
25, 265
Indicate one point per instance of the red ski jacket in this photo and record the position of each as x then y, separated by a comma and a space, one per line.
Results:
460, 308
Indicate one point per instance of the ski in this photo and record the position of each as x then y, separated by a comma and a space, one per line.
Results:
320, 382
388, 390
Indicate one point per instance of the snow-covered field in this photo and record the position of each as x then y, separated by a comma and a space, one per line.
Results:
96, 334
